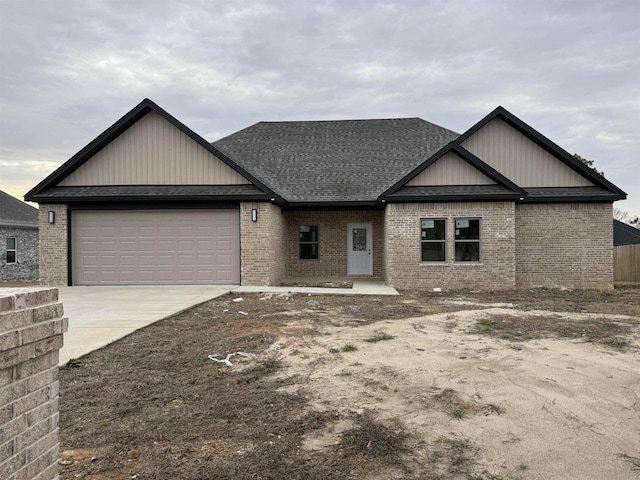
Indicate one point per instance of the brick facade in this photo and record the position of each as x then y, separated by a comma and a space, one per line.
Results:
26, 267
564, 245
524, 245
332, 236
496, 268
54, 248
31, 329
262, 244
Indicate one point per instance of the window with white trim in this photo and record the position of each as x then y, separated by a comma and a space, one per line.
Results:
308, 240
12, 250
433, 232
467, 240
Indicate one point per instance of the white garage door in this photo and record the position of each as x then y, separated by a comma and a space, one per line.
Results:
161, 247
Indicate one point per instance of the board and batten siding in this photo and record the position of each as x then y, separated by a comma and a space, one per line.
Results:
520, 159
450, 170
154, 152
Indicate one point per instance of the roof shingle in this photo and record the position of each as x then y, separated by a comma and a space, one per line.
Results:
334, 161
15, 212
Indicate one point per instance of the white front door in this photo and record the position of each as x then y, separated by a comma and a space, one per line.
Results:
359, 249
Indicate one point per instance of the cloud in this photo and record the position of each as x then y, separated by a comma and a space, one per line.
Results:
69, 69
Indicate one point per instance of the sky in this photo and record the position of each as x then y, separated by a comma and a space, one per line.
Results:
70, 69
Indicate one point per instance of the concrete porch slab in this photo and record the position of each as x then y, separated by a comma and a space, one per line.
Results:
360, 287
100, 315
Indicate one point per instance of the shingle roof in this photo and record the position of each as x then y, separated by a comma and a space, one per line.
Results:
15, 212
334, 161
553, 193
624, 234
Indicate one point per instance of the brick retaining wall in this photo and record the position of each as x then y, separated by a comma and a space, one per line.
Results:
31, 330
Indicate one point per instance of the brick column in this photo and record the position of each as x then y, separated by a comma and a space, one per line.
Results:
31, 328
54, 247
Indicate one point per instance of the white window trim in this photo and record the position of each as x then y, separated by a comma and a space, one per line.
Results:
15, 250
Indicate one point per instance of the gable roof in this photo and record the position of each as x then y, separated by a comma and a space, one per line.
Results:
342, 161
329, 163
508, 186
555, 150
135, 114
624, 234
14, 213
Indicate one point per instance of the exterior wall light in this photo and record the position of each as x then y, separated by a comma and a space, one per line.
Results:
254, 215
52, 216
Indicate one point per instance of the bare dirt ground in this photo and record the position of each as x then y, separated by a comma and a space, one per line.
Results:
537, 384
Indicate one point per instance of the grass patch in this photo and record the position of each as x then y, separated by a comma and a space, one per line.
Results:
384, 387
484, 325
380, 337
458, 413
74, 363
334, 350
349, 348
602, 331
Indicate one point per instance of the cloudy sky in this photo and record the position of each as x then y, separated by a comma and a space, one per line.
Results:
69, 69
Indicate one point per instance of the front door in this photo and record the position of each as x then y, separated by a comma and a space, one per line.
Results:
359, 245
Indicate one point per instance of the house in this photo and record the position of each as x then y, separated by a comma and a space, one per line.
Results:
624, 234
18, 240
406, 201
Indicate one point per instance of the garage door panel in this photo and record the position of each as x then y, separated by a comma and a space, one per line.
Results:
155, 247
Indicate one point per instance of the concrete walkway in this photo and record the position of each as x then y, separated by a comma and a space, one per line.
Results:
360, 287
101, 315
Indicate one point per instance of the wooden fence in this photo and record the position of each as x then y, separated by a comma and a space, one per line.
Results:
626, 263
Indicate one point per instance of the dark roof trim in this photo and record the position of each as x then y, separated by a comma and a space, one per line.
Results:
465, 155
571, 199
331, 204
117, 129
551, 147
155, 198
454, 198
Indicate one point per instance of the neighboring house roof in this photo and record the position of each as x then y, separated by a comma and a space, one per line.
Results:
624, 234
324, 163
15, 213
334, 161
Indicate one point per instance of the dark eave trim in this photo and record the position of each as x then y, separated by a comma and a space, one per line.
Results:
331, 204
546, 144
155, 198
117, 129
453, 198
465, 155
572, 199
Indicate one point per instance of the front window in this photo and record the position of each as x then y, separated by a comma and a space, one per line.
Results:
467, 240
11, 250
308, 238
433, 232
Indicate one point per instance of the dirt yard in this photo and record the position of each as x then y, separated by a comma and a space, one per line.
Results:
512, 385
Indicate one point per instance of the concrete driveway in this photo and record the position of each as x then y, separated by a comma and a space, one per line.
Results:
101, 315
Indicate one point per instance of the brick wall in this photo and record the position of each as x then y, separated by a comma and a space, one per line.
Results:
332, 235
496, 269
31, 328
262, 244
26, 268
54, 249
564, 245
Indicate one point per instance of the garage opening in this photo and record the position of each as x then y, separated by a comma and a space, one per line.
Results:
155, 247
